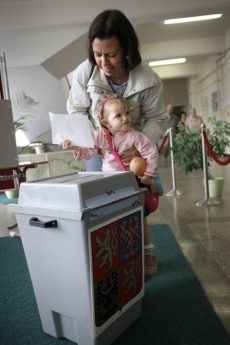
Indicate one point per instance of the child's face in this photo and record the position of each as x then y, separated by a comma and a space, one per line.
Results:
118, 118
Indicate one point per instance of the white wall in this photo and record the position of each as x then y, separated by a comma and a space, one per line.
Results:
213, 76
40, 85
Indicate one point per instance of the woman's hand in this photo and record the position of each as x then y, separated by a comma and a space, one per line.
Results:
102, 153
129, 155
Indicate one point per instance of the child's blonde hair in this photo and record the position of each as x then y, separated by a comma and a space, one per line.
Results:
102, 103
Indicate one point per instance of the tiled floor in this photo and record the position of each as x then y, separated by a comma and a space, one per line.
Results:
203, 233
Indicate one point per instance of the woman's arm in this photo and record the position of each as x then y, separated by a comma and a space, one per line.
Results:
79, 100
153, 111
128, 155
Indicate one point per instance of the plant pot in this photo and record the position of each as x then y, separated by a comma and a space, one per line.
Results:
39, 149
216, 187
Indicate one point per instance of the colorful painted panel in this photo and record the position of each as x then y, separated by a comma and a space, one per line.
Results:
117, 265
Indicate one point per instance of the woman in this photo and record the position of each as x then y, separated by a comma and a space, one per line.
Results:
182, 117
113, 51
182, 121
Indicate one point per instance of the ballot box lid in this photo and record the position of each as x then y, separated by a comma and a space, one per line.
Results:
78, 191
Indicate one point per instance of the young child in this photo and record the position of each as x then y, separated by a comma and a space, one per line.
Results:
113, 112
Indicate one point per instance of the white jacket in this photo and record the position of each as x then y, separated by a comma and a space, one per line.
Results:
144, 94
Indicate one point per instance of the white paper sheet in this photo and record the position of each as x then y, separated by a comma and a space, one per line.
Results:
75, 128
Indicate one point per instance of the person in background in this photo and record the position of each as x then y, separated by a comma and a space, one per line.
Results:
114, 65
183, 117
194, 121
113, 114
171, 120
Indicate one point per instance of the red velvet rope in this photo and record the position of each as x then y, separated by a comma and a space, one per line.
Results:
212, 153
163, 142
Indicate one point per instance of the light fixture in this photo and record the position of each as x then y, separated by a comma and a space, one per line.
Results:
21, 139
192, 19
167, 62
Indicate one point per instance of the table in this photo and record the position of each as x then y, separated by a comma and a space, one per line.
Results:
9, 174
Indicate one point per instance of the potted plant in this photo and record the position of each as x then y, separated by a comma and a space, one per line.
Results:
219, 139
23, 113
38, 146
187, 149
23, 110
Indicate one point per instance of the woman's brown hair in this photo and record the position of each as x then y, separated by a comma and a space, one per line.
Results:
113, 23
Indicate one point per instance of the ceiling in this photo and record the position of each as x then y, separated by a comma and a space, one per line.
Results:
33, 32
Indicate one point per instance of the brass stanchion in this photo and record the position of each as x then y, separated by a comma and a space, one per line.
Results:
206, 201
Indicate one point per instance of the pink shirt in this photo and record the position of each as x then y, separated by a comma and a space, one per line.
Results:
122, 141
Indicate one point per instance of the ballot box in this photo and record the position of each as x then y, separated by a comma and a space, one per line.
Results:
82, 236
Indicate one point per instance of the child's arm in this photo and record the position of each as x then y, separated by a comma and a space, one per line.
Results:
80, 151
148, 151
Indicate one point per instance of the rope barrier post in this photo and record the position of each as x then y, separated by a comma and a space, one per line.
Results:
174, 191
206, 201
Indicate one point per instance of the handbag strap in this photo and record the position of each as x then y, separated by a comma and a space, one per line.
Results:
114, 152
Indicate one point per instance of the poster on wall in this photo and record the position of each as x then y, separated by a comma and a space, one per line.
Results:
215, 101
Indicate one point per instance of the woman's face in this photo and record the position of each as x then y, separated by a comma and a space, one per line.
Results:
109, 56
183, 117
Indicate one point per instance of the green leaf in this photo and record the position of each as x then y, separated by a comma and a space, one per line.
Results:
187, 147
23, 110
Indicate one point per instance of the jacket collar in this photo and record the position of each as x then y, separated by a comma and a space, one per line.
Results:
140, 78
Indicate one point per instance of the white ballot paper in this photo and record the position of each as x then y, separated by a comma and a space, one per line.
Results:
73, 127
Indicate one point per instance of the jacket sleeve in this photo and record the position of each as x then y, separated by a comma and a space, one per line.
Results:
79, 100
153, 111
85, 153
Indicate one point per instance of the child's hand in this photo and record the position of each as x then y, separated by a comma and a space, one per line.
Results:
147, 180
65, 144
